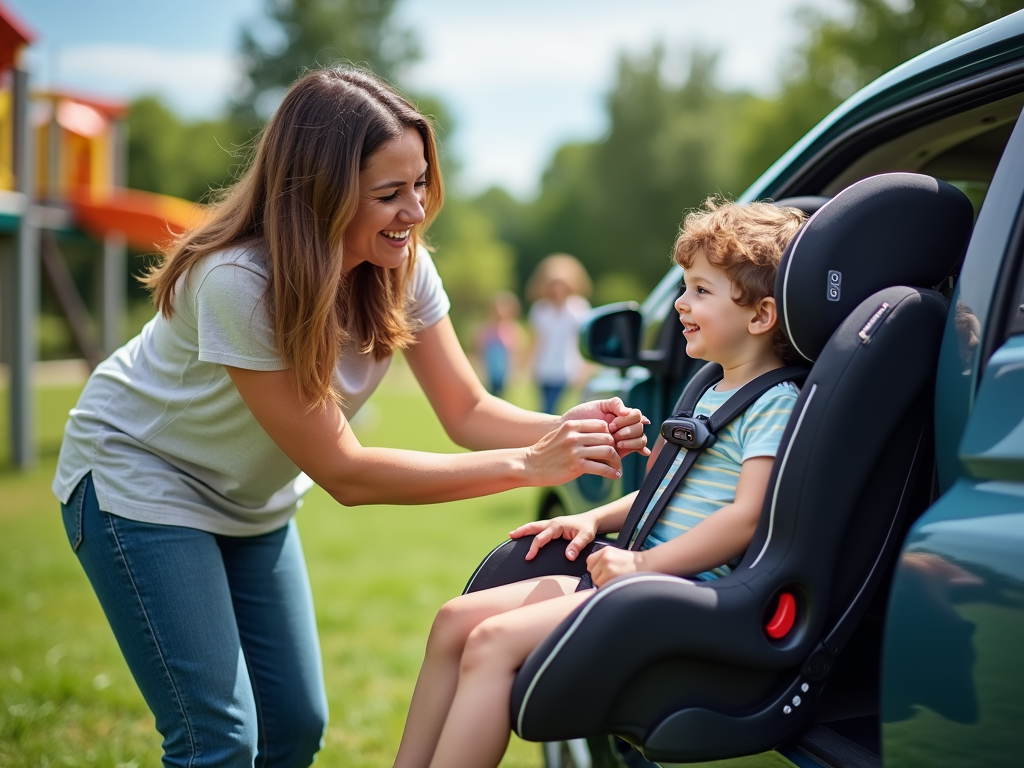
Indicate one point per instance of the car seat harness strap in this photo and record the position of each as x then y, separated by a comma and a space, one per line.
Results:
694, 434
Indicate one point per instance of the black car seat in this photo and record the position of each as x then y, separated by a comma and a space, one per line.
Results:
691, 671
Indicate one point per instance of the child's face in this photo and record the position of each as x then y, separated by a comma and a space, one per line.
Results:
714, 325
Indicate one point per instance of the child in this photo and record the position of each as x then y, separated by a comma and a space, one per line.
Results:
730, 254
558, 288
499, 341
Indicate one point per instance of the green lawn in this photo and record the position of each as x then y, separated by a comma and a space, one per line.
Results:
378, 573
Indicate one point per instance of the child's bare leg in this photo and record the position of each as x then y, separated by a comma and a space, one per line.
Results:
476, 731
439, 676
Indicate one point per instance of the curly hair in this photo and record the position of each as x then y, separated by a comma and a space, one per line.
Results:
744, 241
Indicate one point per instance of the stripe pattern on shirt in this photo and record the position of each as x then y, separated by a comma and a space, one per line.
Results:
711, 482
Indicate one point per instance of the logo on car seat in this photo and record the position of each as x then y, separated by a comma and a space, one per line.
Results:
835, 285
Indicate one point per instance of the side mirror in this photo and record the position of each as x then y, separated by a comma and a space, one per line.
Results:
610, 335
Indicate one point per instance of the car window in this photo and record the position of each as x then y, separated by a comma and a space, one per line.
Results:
962, 149
1015, 310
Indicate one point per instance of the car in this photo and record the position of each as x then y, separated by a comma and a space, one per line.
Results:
940, 648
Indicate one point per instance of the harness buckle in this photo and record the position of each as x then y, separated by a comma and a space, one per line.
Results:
691, 434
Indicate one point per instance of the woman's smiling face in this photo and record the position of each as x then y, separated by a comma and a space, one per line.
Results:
392, 193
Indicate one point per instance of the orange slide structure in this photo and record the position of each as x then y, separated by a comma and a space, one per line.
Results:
146, 220
79, 158
80, 161
63, 168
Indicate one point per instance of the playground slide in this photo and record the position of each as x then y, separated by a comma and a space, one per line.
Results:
146, 220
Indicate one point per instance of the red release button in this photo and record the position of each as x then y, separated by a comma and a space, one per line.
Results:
785, 616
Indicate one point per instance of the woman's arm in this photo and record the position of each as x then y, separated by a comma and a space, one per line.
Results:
321, 444
475, 419
715, 540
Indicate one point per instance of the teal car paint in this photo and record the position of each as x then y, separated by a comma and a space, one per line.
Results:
952, 667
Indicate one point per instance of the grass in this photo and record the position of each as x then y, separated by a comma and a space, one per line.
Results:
378, 576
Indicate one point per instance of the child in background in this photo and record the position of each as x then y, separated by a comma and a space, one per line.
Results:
500, 341
459, 716
558, 288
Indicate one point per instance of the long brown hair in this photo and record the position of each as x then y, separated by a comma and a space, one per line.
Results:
296, 198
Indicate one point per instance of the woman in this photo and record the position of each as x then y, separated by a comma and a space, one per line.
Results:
188, 453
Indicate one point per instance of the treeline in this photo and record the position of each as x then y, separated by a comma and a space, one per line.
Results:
614, 202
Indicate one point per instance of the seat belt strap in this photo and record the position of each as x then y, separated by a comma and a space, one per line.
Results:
705, 378
737, 403
636, 539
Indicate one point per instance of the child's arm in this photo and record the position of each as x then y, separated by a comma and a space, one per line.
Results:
715, 540
581, 528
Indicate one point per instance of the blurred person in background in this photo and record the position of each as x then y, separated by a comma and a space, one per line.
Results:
500, 341
558, 288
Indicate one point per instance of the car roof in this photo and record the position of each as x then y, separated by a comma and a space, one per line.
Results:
998, 43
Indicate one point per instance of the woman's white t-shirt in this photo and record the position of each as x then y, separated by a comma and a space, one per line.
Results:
162, 427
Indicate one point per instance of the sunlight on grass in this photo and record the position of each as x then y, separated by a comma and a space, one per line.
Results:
379, 574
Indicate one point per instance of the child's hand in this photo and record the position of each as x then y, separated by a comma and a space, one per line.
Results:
579, 528
608, 562
626, 424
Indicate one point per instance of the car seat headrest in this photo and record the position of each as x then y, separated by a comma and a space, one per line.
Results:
886, 230
809, 204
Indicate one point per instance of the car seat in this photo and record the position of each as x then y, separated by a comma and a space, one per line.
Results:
691, 671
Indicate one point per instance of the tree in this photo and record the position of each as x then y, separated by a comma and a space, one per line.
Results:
309, 33
473, 263
842, 54
174, 157
616, 203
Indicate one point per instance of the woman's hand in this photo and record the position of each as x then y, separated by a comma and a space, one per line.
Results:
573, 449
608, 562
626, 424
579, 529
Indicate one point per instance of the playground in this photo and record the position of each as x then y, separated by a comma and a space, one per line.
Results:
63, 165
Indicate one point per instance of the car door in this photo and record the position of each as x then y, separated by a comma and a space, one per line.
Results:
952, 667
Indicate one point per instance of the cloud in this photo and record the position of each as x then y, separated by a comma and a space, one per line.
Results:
520, 78
195, 83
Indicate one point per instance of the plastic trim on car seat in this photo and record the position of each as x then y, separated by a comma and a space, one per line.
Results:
782, 470
785, 290
572, 629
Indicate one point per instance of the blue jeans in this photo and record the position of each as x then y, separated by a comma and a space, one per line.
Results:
218, 631
549, 395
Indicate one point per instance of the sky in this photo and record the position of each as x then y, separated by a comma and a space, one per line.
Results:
519, 79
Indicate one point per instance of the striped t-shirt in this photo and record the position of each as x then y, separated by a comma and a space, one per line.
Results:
711, 481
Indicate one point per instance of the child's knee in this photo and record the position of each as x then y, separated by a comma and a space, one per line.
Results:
451, 627
483, 646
